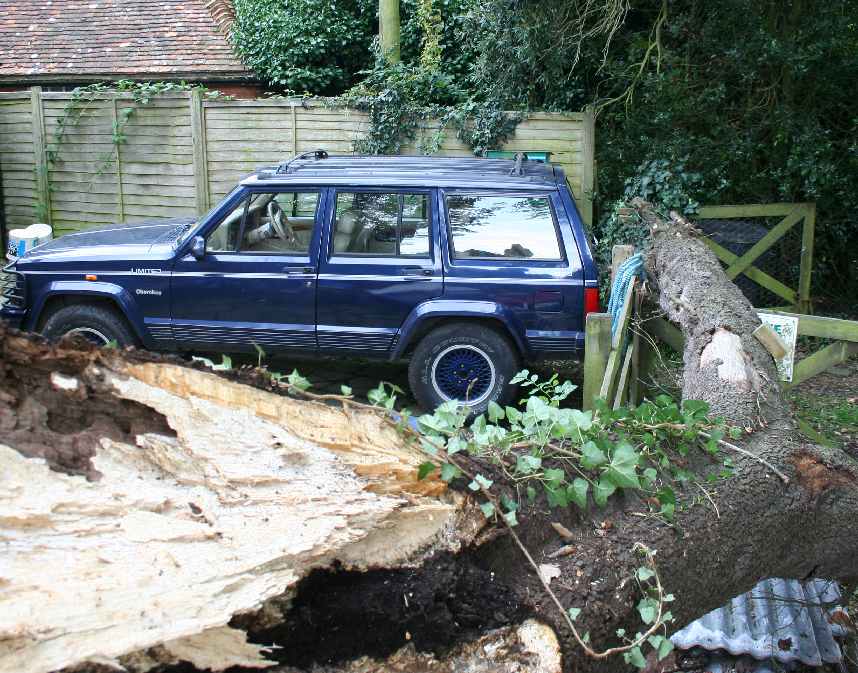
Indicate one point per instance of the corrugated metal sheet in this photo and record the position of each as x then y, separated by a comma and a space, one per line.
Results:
784, 620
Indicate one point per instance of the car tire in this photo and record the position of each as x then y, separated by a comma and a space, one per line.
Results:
98, 324
470, 363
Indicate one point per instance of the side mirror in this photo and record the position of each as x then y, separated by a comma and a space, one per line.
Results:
198, 247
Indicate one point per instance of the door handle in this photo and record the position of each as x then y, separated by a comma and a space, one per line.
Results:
292, 271
424, 274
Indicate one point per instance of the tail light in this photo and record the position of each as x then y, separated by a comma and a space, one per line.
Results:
591, 300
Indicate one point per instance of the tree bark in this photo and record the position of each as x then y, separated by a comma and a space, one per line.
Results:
152, 512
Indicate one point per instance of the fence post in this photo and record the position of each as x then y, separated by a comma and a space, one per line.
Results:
201, 167
588, 166
120, 196
619, 254
804, 274
597, 347
43, 187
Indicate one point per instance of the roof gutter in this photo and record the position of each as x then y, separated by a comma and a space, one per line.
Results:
76, 78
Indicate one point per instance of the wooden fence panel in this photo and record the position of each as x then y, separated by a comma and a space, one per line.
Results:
17, 158
180, 154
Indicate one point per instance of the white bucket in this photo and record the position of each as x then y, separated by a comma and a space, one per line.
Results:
23, 240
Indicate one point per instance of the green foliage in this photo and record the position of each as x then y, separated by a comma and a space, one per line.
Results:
402, 97
305, 45
751, 97
572, 455
669, 185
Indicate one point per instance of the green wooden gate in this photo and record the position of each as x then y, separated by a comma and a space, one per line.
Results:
793, 214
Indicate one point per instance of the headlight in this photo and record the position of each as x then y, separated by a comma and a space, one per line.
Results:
12, 290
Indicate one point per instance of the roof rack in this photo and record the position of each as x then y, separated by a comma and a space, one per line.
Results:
465, 170
316, 154
517, 170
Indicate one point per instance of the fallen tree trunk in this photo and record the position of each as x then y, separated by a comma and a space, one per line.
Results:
175, 511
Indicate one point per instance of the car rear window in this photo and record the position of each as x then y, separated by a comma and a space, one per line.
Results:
499, 226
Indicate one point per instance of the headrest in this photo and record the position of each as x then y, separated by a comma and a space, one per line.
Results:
346, 223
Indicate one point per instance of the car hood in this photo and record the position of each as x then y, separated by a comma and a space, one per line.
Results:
137, 237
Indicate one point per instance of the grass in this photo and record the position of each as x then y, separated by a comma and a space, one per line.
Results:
833, 417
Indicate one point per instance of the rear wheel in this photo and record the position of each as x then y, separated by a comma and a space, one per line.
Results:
468, 363
97, 324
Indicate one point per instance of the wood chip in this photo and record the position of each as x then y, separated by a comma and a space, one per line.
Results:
562, 531
565, 550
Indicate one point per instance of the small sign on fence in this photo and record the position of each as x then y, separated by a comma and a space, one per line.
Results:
786, 328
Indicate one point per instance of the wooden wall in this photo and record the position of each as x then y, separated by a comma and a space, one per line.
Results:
182, 153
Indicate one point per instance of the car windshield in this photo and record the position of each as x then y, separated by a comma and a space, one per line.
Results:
192, 226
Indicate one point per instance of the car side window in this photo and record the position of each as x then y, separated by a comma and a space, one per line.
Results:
382, 224
270, 223
502, 226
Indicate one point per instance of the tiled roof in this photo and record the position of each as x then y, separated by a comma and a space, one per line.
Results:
94, 39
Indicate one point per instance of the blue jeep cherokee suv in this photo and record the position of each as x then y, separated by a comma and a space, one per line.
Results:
467, 267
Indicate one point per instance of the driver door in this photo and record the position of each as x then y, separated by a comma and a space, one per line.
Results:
256, 285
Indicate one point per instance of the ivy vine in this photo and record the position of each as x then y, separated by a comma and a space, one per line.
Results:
84, 98
539, 449
404, 101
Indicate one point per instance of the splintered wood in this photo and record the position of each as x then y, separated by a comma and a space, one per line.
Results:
180, 533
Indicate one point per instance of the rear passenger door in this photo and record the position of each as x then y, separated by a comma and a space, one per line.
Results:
380, 258
517, 249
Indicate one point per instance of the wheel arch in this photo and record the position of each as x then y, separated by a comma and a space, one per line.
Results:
432, 314
66, 293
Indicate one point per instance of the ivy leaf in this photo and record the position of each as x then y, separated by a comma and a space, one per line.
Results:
346, 390
528, 464
531, 493
488, 509
432, 422
455, 444
648, 609
425, 470
495, 412
520, 377
649, 476
695, 410
645, 573
577, 492
296, 380
510, 518
583, 419
539, 408
667, 498
556, 496
508, 503
554, 477
622, 470
481, 481
592, 456
661, 645
635, 657
604, 489
449, 472
513, 415
573, 613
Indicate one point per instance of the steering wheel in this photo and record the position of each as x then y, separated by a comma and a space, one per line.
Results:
280, 223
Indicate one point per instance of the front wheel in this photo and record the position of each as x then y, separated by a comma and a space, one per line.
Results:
96, 324
469, 364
